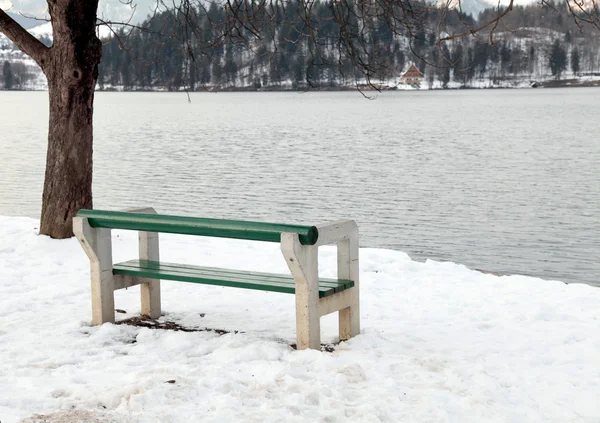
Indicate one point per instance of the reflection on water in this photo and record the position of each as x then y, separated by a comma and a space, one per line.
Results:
506, 181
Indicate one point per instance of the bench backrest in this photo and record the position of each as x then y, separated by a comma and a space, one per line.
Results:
238, 229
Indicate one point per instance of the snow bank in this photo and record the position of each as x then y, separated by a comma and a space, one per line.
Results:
440, 343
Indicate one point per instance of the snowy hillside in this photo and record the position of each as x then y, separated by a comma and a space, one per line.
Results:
472, 7
439, 343
27, 74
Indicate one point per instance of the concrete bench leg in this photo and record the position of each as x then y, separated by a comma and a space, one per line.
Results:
96, 243
344, 234
303, 263
349, 317
150, 288
149, 250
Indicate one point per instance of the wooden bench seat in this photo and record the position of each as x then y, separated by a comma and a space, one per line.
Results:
223, 277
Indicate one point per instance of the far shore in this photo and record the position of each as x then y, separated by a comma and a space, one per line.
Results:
563, 83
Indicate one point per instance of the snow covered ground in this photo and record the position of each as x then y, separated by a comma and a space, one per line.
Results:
440, 343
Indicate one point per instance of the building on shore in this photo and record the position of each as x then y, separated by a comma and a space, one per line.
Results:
412, 76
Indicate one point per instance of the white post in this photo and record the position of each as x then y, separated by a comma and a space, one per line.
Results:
149, 288
96, 243
348, 268
303, 263
149, 250
344, 234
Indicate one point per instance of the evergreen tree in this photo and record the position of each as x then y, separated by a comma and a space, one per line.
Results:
217, 73
445, 76
505, 57
531, 59
7, 73
230, 68
557, 59
400, 60
431, 71
456, 58
480, 56
575, 60
470, 71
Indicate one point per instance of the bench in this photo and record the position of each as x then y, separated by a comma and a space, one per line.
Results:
315, 297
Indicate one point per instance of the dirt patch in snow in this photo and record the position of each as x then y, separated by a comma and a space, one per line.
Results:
147, 322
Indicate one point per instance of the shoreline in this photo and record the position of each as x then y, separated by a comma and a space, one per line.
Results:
566, 83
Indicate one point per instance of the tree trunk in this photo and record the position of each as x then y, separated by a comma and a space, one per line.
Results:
72, 72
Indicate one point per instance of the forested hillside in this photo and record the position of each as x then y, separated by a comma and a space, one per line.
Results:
531, 44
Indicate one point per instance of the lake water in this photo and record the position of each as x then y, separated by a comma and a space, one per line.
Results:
507, 181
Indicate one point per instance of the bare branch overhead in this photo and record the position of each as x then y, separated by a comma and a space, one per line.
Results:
23, 39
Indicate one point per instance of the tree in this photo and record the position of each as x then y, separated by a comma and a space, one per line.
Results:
531, 59
445, 69
20, 74
456, 59
71, 67
568, 37
7, 74
470, 71
575, 61
557, 59
505, 57
480, 56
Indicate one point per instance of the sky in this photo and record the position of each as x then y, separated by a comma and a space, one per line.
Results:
108, 9
116, 10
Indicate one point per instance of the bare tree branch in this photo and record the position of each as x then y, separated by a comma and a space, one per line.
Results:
35, 18
23, 39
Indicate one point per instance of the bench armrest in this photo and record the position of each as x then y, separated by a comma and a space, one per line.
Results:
334, 232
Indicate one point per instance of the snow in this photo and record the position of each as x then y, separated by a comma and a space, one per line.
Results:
439, 343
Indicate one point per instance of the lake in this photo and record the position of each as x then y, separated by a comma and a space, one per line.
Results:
502, 180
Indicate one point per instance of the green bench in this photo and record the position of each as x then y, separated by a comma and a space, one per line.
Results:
315, 296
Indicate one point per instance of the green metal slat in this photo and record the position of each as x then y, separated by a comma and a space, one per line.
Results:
211, 274
199, 276
264, 278
194, 279
328, 282
338, 284
222, 277
287, 288
184, 225
146, 264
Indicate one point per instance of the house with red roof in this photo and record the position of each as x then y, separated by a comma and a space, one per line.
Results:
412, 76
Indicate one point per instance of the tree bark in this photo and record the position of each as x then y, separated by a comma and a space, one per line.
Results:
72, 72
